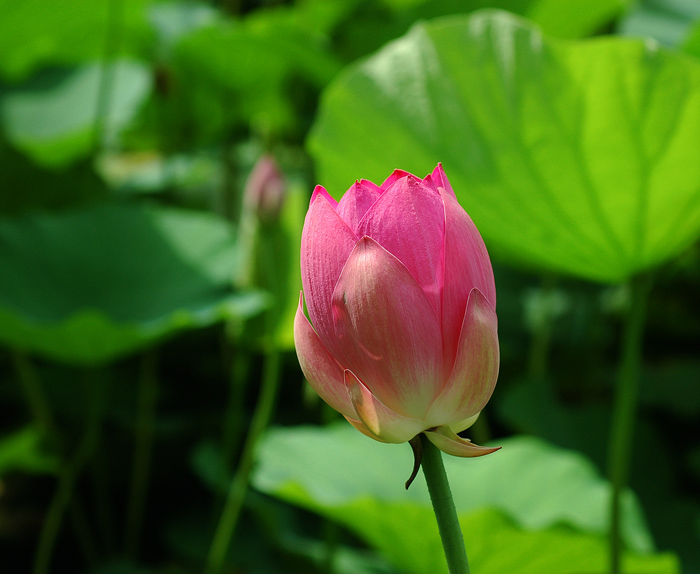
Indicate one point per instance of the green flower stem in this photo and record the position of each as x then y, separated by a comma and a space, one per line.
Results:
441, 497
625, 411
143, 439
239, 483
66, 482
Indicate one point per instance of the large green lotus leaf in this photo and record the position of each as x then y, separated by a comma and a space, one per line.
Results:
667, 21
531, 507
92, 285
578, 156
37, 33
52, 118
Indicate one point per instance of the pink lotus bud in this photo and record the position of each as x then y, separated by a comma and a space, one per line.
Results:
400, 292
265, 189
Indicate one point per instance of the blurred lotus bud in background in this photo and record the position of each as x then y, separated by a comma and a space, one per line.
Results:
265, 189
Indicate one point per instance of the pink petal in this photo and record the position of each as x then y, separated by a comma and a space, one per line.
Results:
387, 330
319, 190
355, 203
475, 370
372, 186
326, 243
450, 443
467, 265
381, 421
408, 220
438, 179
393, 178
322, 371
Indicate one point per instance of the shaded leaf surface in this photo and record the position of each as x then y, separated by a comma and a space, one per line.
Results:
98, 283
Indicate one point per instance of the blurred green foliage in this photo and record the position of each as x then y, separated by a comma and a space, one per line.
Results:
134, 312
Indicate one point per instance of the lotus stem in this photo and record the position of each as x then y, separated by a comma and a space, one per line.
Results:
625, 411
443, 505
239, 484
143, 448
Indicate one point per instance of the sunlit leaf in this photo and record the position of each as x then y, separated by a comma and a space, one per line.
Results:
691, 45
35, 33
555, 502
578, 156
55, 117
95, 284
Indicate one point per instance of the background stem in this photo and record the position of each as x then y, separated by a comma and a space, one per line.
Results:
143, 439
34, 394
625, 410
66, 482
443, 505
233, 421
540, 342
239, 484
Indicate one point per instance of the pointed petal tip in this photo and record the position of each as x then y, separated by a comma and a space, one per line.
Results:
440, 180
396, 175
450, 443
320, 191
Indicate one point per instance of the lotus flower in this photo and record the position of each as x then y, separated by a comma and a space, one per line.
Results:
402, 337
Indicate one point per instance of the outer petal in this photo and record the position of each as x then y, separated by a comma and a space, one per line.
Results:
371, 185
393, 178
438, 179
326, 243
465, 424
467, 265
450, 443
475, 370
381, 421
359, 425
322, 371
387, 330
408, 220
356, 201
